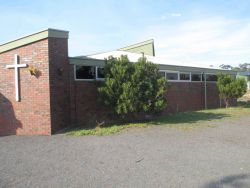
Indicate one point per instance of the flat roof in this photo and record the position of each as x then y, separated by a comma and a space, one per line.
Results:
54, 33
157, 60
164, 64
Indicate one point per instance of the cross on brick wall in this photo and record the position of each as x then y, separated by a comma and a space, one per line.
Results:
16, 66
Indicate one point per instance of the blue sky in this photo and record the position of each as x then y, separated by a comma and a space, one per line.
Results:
205, 32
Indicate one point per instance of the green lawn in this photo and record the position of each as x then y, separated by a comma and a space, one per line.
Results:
183, 120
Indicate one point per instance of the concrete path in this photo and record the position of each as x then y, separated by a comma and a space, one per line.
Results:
147, 157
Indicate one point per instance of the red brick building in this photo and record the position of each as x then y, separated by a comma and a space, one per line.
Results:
43, 90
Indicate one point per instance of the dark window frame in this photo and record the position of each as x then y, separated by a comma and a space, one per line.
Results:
185, 80
84, 79
200, 75
172, 72
211, 74
96, 73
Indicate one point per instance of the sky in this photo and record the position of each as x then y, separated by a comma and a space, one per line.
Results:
209, 32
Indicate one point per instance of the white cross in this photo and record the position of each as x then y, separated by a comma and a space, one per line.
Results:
16, 66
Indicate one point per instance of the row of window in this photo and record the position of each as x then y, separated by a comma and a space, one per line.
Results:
92, 73
187, 76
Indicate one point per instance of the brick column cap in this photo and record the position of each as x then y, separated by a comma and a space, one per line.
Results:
47, 33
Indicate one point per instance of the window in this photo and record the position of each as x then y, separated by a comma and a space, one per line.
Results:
196, 77
172, 75
100, 73
162, 73
85, 72
185, 76
211, 77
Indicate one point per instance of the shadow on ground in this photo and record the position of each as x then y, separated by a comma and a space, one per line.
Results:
178, 118
239, 181
188, 117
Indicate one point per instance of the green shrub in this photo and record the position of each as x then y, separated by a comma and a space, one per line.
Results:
133, 88
230, 88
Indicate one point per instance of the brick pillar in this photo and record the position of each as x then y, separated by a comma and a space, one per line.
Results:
44, 104
59, 83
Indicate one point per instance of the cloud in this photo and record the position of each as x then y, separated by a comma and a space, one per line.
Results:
176, 14
214, 40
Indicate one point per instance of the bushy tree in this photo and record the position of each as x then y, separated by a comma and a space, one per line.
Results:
133, 88
242, 67
228, 67
230, 88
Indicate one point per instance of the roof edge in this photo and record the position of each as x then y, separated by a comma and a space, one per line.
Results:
136, 45
47, 33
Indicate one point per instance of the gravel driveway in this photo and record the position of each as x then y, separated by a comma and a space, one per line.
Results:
144, 157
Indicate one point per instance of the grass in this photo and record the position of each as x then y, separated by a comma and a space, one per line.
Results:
100, 131
204, 118
183, 121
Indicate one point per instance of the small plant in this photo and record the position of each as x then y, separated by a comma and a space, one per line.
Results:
34, 71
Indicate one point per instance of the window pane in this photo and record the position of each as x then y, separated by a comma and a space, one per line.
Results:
85, 72
100, 72
184, 76
196, 77
172, 76
211, 77
162, 73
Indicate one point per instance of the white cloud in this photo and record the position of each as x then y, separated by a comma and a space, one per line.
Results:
176, 14
209, 41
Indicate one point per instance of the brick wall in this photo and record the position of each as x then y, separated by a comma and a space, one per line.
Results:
32, 114
44, 105
84, 106
59, 83
186, 96
181, 96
